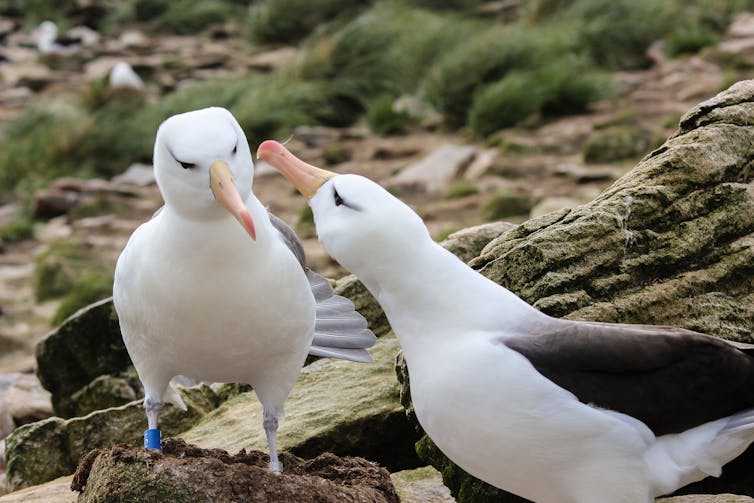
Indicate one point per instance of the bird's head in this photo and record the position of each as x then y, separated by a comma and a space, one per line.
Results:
357, 220
203, 165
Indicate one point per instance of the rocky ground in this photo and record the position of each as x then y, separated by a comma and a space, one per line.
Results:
451, 181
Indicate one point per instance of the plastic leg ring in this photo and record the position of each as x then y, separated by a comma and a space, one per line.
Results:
153, 439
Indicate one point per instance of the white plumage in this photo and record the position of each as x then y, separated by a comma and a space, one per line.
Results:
199, 295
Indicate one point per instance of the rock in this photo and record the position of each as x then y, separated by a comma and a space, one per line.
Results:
707, 498
41, 451
84, 347
483, 161
434, 173
550, 204
185, 473
52, 202
668, 243
671, 242
57, 491
421, 485
742, 25
583, 174
103, 392
617, 144
328, 410
353, 289
22, 401
31, 75
467, 243
141, 175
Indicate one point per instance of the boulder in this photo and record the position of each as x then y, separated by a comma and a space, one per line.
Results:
420, 485
346, 408
434, 173
58, 491
186, 473
85, 346
671, 242
41, 451
22, 401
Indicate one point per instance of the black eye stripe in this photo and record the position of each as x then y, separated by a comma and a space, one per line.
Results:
339, 201
336, 196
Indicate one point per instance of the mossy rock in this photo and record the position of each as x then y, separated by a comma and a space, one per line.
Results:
336, 406
617, 144
42, 451
185, 473
103, 392
85, 346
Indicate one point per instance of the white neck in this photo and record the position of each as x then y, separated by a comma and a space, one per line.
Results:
430, 296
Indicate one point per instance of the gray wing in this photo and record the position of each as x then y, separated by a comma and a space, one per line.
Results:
669, 378
339, 330
289, 238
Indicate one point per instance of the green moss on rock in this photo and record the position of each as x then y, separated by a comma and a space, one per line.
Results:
42, 451
86, 346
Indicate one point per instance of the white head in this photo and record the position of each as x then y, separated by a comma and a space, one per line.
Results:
359, 222
203, 165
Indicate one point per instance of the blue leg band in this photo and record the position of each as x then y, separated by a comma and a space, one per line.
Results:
152, 439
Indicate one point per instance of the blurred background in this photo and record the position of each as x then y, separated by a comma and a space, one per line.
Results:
471, 111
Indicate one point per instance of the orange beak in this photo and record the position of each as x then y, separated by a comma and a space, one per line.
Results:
224, 189
305, 177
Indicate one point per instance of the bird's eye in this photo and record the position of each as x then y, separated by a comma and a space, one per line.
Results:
235, 149
336, 196
187, 165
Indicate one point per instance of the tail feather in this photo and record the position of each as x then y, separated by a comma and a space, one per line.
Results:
680, 459
339, 331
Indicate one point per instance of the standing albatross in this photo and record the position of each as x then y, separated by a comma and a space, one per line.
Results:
554, 410
199, 295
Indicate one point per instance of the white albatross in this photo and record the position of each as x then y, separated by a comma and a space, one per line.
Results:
199, 295
556, 411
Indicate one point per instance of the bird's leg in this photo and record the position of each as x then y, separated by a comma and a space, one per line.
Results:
152, 437
271, 429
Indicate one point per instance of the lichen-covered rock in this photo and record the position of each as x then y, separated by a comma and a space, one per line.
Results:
336, 406
185, 473
671, 242
85, 346
103, 392
467, 243
42, 451
420, 485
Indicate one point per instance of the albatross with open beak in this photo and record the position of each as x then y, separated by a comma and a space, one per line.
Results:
556, 411
215, 288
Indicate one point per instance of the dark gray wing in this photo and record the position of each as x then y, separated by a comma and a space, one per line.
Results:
339, 330
669, 378
290, 238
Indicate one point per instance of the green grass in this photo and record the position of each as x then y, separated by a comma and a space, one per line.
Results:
89, 288
461, 189
506, 204
290, 21
18, 230
383, 118
617, 144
